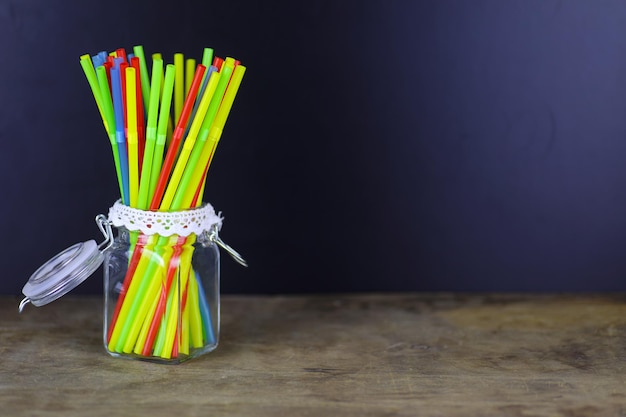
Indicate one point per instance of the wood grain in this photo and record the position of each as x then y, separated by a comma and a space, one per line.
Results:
327, 355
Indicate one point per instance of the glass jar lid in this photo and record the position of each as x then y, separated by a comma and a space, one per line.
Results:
63, 273
66, 270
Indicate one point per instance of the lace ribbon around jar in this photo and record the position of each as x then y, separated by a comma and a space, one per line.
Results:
165, 223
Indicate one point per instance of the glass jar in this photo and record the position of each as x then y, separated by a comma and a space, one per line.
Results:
161, 281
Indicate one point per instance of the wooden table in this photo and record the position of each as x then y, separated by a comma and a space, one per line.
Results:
333, 355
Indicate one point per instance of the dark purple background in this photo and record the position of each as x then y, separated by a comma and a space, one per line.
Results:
374, 145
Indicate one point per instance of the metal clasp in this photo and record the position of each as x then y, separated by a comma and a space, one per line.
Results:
105, 227
214, 237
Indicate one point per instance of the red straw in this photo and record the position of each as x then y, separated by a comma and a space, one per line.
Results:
183, 303
142, 240
217, 62
160, 310
107, 66
121, 53
172, 151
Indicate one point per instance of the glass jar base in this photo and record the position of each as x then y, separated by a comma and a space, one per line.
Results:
180, 358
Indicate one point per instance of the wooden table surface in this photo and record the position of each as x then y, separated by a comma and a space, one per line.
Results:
333, 355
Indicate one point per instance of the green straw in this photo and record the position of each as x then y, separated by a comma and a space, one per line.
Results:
145, 80
164, 116
107, 105
151, 133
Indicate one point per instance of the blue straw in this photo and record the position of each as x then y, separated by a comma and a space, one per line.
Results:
120, 137
205, 312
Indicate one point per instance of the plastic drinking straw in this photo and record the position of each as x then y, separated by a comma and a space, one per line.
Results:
99, 59
133, 313
121, 53
145, 79
166, 101
116, 91
211, 132
150, 281
138, 265
107, 67
195, 320
217, 62
190, 177
133, 149
176, 139
183, 346
96, 61
103, 56
165, 326
90, 73
173, 310
122, 67
156, 166
188, 145
151, 133
162, 128
130, 93
170, 128
207, 57
205, 313
227, 103
156, 320
179, 86
142, 242
141, 117
143, 334
190, 68
156, 329
107, 105
205, 82
220, 121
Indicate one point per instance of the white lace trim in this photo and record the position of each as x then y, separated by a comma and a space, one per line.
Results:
165, 223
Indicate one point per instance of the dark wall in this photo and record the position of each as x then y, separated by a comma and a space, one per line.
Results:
374, 145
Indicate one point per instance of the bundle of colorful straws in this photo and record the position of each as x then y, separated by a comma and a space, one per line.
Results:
163, 130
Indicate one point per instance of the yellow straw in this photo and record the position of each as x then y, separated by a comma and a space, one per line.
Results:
143, 335
172, 314
133, 150
183, 347
152, 280
179, 85
181, 162
131, 293
190, 70
195, 319
216, 131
